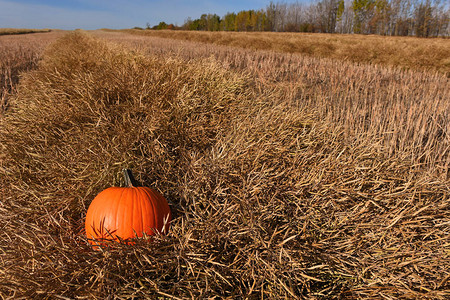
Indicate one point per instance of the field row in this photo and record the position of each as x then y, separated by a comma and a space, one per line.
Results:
19, 54
401, 52
406, 113
288, 176
14, 31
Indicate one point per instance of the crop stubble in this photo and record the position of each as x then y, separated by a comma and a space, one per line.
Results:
288, 176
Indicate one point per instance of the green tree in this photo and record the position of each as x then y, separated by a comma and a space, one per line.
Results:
363, 12
271, 17
340, 10
261, 20
228, 22
379, 23
423, 19
328, 13
242, 20
161, 25
212, 22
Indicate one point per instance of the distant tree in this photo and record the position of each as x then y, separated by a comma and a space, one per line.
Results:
431, 18
363, 12
228, 22
281, 9
194, 25
329, 11
386, 17
203, 22
161, 25
271, 15
294, 17
212, 22
340, 10
379, 23
401, 21
243, 21
187, 24
442, 11
197, 24
261, 20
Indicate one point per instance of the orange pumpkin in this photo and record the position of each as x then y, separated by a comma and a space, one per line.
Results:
123, 213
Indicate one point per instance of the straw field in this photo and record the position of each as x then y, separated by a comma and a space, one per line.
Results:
8, 31
401, 52
288, 176
19, 54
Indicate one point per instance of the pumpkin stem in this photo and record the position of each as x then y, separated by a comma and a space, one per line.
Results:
129, 178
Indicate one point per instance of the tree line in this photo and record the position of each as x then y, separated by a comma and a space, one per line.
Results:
424, 18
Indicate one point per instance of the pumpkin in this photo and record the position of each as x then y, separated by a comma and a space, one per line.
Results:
123, 213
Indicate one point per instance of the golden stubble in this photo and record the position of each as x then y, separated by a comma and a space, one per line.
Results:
288, 176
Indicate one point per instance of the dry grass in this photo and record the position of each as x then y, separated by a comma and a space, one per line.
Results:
9, 31
272, 196
19, 54
406, 112
403, 52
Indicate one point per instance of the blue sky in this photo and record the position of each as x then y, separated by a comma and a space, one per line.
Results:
90, 14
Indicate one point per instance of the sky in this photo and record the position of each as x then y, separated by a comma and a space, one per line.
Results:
114, 14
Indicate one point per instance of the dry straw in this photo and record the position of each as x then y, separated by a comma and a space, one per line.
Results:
18, 54
14, 31
402, 52
407, 112
272, 197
